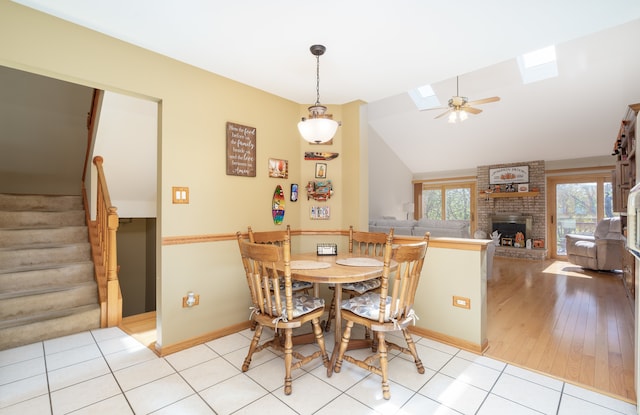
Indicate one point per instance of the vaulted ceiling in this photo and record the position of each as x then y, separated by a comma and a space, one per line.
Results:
378, 51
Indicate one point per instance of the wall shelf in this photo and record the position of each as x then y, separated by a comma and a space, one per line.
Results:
510, 194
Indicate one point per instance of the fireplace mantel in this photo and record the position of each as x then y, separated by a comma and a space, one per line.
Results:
510, 194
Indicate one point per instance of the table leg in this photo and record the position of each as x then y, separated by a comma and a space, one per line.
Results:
337, 293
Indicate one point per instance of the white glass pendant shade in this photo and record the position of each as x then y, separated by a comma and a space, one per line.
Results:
317, 130
462, 115
319, 127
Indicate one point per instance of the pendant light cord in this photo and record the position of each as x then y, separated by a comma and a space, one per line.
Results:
317, 79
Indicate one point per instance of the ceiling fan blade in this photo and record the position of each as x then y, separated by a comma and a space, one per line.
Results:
484, 101
443, 114
471, 110
434, 108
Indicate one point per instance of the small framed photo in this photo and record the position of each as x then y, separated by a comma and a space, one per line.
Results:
279, 168
320, 213
523, 187
321, 170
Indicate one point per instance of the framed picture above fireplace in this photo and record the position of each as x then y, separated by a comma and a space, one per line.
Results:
504, 175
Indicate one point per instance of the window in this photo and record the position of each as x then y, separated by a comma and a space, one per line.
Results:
538, 65
451, 201
424, 97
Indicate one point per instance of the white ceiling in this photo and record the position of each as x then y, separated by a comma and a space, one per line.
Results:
376, 51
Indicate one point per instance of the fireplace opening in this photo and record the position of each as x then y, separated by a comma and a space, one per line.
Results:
509, 226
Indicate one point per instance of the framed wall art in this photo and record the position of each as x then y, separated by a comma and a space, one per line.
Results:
279, 168
503, 175
320, 213
241, 150
321, 170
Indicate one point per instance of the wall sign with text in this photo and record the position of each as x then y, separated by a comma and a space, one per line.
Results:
241, 150
502, 175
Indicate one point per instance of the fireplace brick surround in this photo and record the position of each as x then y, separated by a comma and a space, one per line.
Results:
533, 206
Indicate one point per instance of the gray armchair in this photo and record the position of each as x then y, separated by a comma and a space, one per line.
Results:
602, 251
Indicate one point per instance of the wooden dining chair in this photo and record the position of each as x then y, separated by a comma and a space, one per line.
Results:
277, 238
278, 308
389, 310
369, 244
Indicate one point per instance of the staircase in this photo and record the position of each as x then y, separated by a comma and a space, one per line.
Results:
47, 286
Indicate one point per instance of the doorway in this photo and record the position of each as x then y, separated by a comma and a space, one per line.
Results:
575, 205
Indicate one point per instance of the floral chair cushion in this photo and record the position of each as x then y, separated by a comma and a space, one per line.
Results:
362, 287
297, 285
367, 306
302, 304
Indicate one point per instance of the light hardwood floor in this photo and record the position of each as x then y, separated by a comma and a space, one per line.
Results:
556, 318
548, 316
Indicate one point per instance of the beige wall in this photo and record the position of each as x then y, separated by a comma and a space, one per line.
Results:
194, 106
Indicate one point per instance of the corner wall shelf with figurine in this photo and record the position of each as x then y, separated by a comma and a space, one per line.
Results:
497, 195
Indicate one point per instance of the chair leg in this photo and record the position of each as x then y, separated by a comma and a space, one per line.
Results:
317, 330
288, 359
414, 352
252, 347
343, 346
384, 365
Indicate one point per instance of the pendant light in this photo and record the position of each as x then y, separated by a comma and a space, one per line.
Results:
319, 127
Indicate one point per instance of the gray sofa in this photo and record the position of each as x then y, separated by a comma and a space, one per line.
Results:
437, 228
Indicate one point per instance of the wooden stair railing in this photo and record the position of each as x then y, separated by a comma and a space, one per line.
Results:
102, 235
102, 231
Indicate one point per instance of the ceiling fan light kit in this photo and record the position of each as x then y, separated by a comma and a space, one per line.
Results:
319, 127
459, 106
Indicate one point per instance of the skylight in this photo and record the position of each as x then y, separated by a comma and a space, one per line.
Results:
538, 65
424, 97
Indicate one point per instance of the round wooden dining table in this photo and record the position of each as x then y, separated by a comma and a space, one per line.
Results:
327, 269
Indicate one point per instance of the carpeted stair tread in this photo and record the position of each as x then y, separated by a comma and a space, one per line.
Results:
24, 257
40, 202
6, 293
19, 237
76, 295
44, 326
25, 219
46, 275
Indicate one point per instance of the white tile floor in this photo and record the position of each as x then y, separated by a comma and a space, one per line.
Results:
107, 372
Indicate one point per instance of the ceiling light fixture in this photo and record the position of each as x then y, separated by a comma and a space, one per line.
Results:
319, 127
460, 107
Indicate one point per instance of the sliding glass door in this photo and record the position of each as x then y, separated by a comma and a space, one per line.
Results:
576, 204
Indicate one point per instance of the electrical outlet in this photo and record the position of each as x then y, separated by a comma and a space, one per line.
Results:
462, 302
190, 300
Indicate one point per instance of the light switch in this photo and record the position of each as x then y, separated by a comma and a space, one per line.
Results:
180, 195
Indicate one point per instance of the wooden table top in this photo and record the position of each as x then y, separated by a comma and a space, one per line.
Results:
336, 273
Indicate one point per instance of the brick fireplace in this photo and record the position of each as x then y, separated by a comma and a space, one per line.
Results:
529, 211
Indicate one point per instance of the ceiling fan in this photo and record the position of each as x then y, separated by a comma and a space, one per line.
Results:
459, 106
